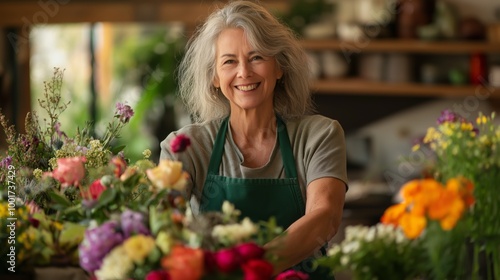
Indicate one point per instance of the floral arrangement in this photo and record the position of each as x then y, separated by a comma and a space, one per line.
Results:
78, 201
376, 252
471, 149
450, 216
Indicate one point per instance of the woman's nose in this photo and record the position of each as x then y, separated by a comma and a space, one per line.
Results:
244, 70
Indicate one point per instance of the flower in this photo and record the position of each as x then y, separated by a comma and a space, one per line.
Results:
227, 260
184, 263
69, 171
375, 252
180, 143
95, 190
168, 174
138, 247
257, 269
158, 275
292, 275
123, 112
427, 198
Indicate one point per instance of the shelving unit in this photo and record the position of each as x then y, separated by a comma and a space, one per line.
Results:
365, 87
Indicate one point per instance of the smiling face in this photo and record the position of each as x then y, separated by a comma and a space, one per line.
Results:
245, 77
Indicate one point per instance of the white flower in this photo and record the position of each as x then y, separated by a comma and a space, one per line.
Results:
334, 250
344, 260
234, 233
116, 265
350, 247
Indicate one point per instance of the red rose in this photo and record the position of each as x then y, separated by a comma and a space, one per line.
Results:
292, 275
227, 260
95, 190
257, 270
250, 251
180, 143
158, 275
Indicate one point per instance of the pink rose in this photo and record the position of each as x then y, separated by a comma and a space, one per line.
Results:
179, 143
292, 275
158, 275
227, 260
69, 171
257, 270
94, 191
249, 251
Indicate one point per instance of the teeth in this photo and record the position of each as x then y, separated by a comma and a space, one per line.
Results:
248, 87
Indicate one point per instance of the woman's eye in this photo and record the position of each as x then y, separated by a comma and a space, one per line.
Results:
229, 61
256, 58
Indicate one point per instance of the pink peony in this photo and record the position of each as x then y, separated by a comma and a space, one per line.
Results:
257, 270
249, 251
180, 143
158, 275
95, 190
227, 260
69, 171
292, 275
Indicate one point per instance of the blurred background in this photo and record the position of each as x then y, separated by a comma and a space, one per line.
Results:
384, 68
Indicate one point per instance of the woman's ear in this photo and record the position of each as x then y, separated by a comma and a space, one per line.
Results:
216, 82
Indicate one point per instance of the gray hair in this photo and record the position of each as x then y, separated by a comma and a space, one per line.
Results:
292, 97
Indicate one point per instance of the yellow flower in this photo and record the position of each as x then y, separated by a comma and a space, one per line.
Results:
168, 174
165, 242
4, 210
138, 247
146, 153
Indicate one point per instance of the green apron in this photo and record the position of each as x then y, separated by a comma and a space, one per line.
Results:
259, 199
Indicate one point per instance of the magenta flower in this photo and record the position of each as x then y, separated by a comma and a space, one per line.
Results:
257, 270
292, 275
227, 260
158, 275
249, 251
180, 143
69, 171
123, 112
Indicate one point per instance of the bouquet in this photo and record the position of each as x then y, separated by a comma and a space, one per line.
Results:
471, 149
78, 201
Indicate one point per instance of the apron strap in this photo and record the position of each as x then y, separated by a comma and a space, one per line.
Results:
216, 157
286, 150
284, 142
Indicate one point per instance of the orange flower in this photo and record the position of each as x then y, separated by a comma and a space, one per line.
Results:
464, 187
184, 263
413, 225
393, 214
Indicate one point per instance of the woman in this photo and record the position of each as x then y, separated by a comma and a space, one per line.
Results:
245, 79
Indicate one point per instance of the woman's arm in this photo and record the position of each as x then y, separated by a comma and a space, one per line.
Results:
325, 202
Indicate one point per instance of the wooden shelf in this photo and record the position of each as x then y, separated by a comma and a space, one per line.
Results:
408, 46
365, 87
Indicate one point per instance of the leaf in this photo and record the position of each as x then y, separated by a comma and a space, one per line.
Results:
117, 149
106, 197
61, 201
72, 234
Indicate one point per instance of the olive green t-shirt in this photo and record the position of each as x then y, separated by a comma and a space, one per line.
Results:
318, 147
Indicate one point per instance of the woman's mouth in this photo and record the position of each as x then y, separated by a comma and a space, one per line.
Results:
247, 87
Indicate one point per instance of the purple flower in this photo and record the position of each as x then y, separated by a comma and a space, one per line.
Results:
449, 116
57, 127
97, 244
123, 112
6, 162
133, 223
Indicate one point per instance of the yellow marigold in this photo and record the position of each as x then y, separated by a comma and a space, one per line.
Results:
413, 225
138, 247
